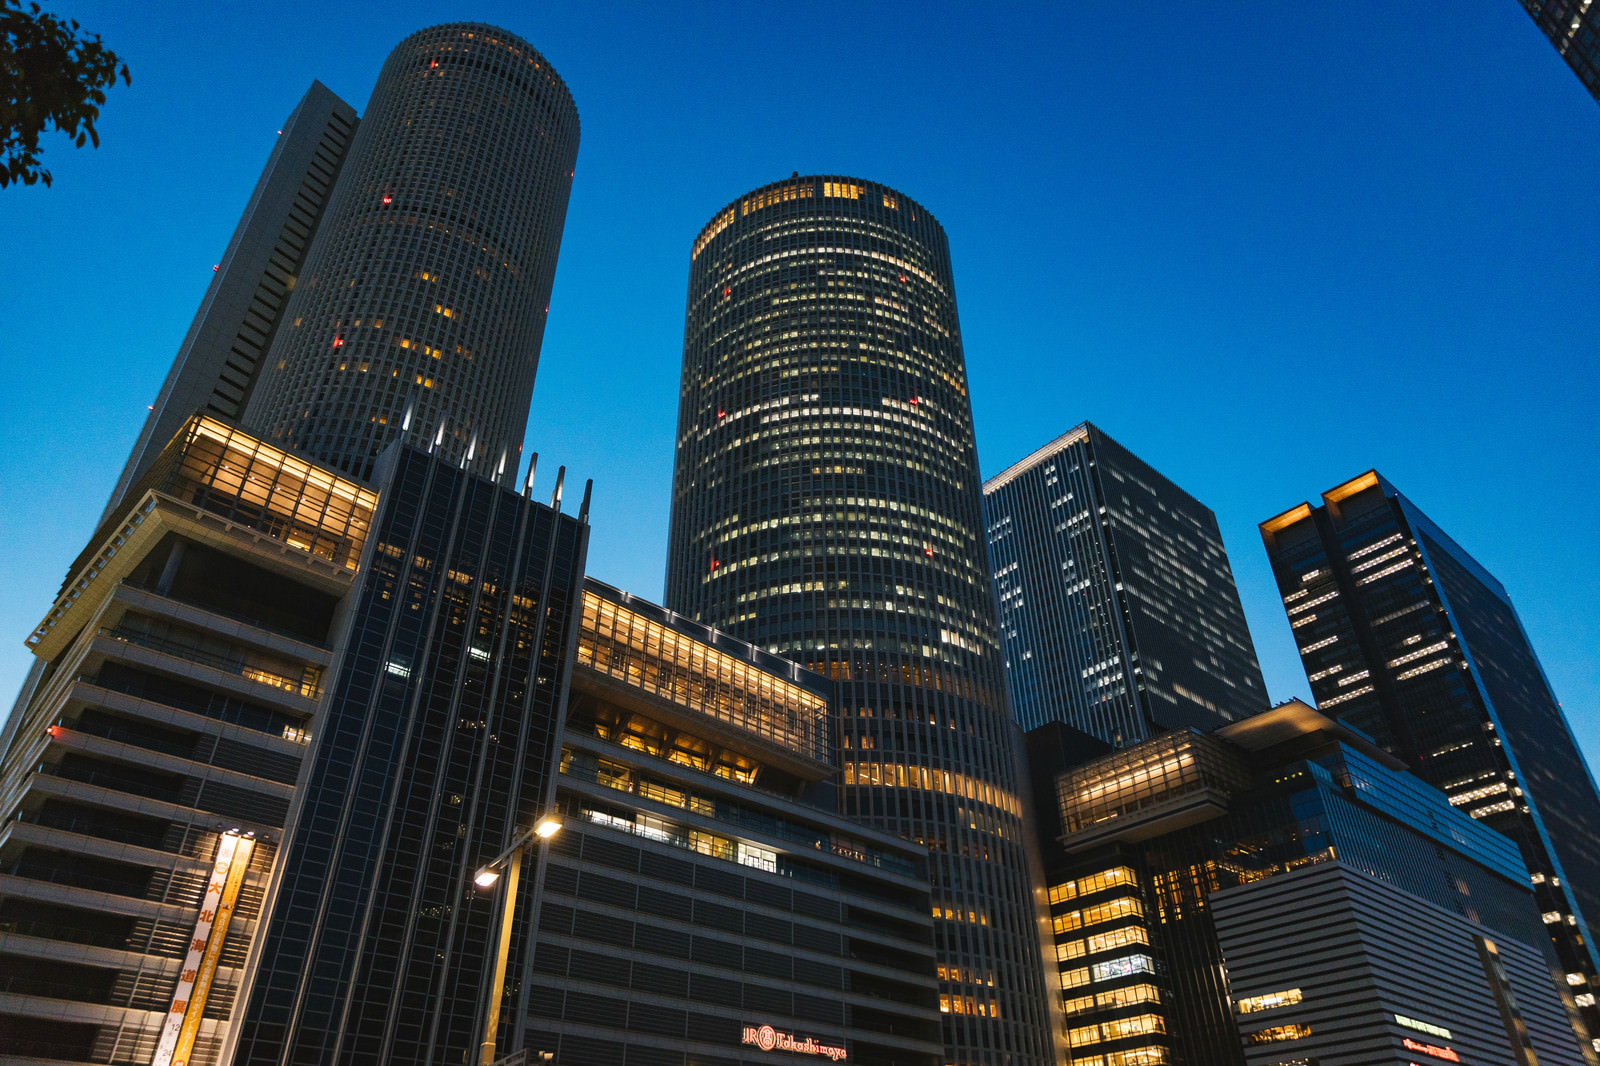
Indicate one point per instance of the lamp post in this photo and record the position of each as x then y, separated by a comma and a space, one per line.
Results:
510, 861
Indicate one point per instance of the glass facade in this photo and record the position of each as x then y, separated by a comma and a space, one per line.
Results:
1134, 898
645, 652
183, 663
1118, 611
435, 746
1154, 774
421, 309
705, 889
1403, 635
827, 507
216, 367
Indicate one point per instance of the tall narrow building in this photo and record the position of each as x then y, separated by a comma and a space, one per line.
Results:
1118, 611
422, 305
183, 664
827, 506
150, 773
221, 356
1405, 636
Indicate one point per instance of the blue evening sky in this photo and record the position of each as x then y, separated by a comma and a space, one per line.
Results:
1266, 246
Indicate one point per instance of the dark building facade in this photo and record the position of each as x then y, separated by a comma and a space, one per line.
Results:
221, 356
421, 308
1280, 890
1574, 30
145, 786
705, 903
1406, 637
827, 506
434, 748
1118, 611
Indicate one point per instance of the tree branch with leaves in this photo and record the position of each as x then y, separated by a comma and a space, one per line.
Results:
51, 75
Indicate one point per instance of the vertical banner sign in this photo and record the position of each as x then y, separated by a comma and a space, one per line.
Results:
197, 946
208, 961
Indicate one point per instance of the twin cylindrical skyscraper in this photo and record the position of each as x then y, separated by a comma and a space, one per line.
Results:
826, 504
422, 305
826, 500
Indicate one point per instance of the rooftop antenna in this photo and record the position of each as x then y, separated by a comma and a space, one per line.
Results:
555, 497
583, 508
527, 482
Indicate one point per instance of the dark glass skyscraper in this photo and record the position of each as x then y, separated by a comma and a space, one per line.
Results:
1280, 890
826, 505
422, 305
1405, 636
1118, 611
434, 747
221, 356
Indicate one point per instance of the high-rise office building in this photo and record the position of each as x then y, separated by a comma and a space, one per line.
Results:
704, 902
434, 747
1575, 31
145, 787
1280, 890
826, 506
150, 765
1405, 636
217, 365
421, 308
1118, 611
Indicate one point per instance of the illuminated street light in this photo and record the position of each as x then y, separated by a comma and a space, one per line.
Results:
509, 860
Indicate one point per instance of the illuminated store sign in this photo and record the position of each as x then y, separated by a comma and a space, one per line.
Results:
205, 948
1435, 1050
767, 1038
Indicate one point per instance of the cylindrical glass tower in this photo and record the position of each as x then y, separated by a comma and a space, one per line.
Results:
422, 305
826, 504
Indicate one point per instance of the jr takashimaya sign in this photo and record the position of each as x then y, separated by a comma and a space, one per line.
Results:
767, 1038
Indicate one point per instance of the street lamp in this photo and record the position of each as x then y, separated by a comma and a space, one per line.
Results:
510, 861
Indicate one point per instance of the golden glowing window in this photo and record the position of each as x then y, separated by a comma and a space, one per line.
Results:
1130, 996
843, 190
1075, 978
781, 194
647, 654
1117, 938
1138, 1056
1097, 914
1277, 1033
1141, 1025
901, 775
718, 224
1252, 1004
1117, 875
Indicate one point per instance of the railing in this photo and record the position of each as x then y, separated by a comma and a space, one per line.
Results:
731, 814
221, 612
308, 686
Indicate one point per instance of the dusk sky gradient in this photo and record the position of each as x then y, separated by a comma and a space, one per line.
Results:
1266, 246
